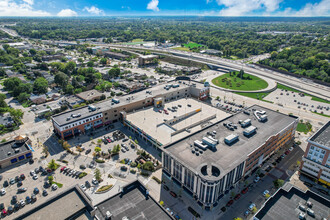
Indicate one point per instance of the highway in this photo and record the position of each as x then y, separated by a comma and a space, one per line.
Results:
225, 64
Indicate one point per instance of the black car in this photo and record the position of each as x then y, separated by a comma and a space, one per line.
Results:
166, 188
20, 183
36, 190
82, 167
5, 183
14, 199
10, 210
36, 170
16, 207
88, 151
2, 206
46, 184
21, 190
44, 193
17, 179
41, 169
28, 200
87, 184
31, 161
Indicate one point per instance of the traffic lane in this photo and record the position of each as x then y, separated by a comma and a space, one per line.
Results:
291, 158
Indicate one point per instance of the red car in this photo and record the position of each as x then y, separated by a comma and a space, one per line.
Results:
173, 194
63, 168
160, 111
287, 152
237, 196
4, 212
230, 203
245, 190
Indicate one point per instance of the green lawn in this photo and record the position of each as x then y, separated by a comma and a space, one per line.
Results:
192, 45
321, 114
231, 81
137, 40
304, 127
258, 95
181, 48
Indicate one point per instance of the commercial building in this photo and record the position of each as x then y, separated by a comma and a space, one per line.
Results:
88, 118
316, 160
148, 59
70, 204
290, 202
133, 202
90, 95
209, 162
14, 151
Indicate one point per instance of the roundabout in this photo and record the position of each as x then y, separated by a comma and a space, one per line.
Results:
238, 82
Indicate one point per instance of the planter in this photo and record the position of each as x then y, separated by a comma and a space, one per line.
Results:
107, 190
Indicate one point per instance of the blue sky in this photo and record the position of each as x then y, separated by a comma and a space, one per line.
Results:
302, 8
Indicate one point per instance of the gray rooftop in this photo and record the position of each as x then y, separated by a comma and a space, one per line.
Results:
322, 136
227, 157
133, 203
285, 205
10, 146
71, 204
60, 119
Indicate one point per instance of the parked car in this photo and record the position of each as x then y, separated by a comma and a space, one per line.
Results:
252, 206
87, 184
20, 183
265, 192
22, 203
5, 183
54, 187
46, 184
229, 203
94, 181
12, 181
82, 167
16, 207
245, 190
14, 199
237, 196
3, 192
35, 177
83, 187
20, 190
28, 200
62, 169
33, 198
166, 188
256, 179
246, 213
44, 193
173, 194
22, 177
36, 190
88, 151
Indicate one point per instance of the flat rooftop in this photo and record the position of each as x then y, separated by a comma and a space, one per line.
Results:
285, 205
132, 203
158, 90
10, 146
322, 136
151, 121
227, 157
89, 95
70, 204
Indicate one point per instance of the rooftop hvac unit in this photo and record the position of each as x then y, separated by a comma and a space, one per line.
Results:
250, 130
263, 118
209, 142
246, 123
231, 138
199, 144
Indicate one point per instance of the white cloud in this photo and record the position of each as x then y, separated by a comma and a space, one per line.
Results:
153, 5
93, 10
67, 13
318, 9
11, 8
30, 2
246, 7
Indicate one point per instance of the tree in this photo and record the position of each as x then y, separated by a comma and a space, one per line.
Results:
97, 149
103, 61
53, 165
241, 73
22, 87
11, 83
3, 103
148, 166
90, 63
70, 66
61, 79
40, 85
50, 179
278, 183
97, 174
114, 72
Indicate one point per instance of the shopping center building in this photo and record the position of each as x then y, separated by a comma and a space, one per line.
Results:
316, 160
213, 160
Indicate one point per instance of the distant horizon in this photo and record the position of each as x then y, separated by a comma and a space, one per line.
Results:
129, 8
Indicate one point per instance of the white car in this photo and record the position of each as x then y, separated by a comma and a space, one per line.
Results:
252, 206
3, 192
35, 177
32, 173
22, 203
266, 192
83, 187
291, 149
256, 179
94, 181
54, 187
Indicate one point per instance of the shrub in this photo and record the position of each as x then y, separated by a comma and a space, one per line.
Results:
156, 179
82, 175
104, 188
278, 183
133, 171
110, 176
122, 161
144, 174
148, 166
133, 164
99, 161
161, 203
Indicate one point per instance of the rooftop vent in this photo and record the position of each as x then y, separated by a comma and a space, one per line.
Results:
16, 150
231, 139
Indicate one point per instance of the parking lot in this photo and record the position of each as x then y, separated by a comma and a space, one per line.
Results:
31, 184
295, 100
